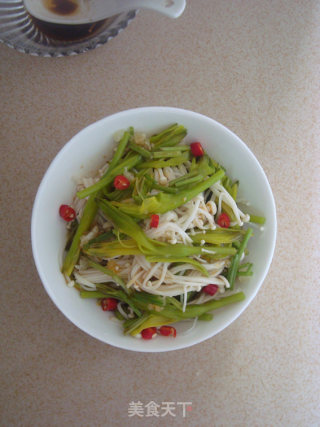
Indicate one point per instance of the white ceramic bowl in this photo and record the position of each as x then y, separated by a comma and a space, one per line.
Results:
82, 156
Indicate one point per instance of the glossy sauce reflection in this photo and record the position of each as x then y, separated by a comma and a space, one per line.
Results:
68, 32
62, 7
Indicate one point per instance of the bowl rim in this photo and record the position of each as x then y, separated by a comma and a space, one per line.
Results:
158, 109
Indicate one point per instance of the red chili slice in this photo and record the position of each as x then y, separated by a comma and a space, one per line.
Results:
154, 222
211, 289
121, 182
167, 331
224, 220
148, 333
196, 149
67, 213
109, 304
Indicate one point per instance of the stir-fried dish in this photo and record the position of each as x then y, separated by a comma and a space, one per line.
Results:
157, 236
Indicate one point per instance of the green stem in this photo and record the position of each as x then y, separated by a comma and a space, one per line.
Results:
245, 273
234, 190
160, 187
140, 150
176, 147
89, 213
218, 236
104, 237
181, 260
128, 163
174, 161
169, 137
233, 270
91, 294
193, 180
119, 294
257, 219
153, 320
206, 317
117, 279
146, 298
164, 154
161, 135
163, 202
218, 250
118, 195
131, 324
184, 177
192, 310
119, 152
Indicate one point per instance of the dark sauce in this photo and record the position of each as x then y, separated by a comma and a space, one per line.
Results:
68, 32
62, 7
71, 32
